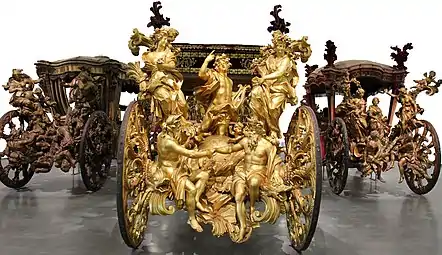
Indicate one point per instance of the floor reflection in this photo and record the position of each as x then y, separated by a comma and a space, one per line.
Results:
416, 224
56, 215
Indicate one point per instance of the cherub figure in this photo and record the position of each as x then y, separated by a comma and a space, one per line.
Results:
19, 82
84, 90
425, 84
237, 131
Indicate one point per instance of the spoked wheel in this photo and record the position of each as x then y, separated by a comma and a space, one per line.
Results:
133, 157
337, 156
304, 174
423, 169
95, 152
14, 172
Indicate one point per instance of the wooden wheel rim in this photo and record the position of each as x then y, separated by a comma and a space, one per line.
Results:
316, 175
338, 180
134, 112
436, 166
25, 169
101, 170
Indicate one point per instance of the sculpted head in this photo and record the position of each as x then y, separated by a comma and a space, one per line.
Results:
255, 126
17, 72
280, 43
175, 127
222, 63
375, 101
374, 134
238, 128
172, 122
360, 92
164, 37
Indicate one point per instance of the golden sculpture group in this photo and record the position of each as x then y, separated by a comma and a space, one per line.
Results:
407, 143
214, 167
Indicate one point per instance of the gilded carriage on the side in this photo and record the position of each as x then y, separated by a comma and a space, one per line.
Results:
68, 116
217, 148
358, 136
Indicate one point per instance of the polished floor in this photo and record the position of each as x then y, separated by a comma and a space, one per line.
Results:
56, 216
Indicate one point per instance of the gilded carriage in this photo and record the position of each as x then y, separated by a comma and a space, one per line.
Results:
68, 116
198, 138
361, 137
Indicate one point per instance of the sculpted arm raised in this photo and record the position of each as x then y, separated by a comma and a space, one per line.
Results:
390, 94
203, 73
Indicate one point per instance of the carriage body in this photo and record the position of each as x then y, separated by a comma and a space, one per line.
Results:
374, 78
109, 75
357, 135
72, 119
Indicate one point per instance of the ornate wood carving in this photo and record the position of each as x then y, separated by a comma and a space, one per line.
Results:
400, 56
330, 53
157, 20
279, 23
309, 69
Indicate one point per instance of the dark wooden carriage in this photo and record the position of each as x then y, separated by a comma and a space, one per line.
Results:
374, 78
110, 76
84, 125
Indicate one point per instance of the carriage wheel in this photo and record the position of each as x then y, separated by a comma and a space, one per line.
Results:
304, 160
133, 156
337, 156
95, 152
12, 175
428, 147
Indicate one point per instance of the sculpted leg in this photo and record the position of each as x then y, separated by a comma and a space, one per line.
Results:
379, 174
240, 194
401, 164
200, 185
190, 204
254, 183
